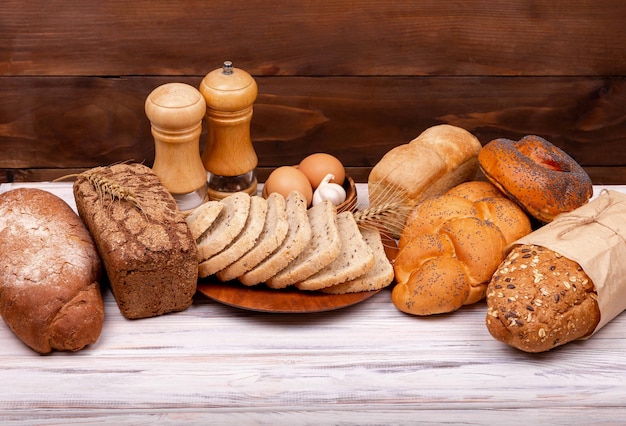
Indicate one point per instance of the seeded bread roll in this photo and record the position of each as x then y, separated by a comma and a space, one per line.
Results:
537, 175
538, 300
49, 271
146, 246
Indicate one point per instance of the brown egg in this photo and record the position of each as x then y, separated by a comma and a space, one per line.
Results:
317, 166
286, 179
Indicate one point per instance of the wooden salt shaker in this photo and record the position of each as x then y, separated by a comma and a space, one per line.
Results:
175, 111
229, 156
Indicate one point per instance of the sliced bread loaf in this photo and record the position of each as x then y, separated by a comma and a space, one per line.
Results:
378, 276
242, 243
273, 234
226, 227
355, 258
323, 248
298, 236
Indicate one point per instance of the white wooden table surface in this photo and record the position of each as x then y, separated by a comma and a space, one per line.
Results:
365, 364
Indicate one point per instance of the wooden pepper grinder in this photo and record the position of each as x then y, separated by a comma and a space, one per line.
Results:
175, 111
229, 156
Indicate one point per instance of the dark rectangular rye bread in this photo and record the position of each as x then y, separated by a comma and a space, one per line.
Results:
147, 249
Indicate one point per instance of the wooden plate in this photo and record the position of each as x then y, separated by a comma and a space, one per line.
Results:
290, 300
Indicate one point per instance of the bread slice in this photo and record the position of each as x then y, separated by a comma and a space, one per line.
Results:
355, 258
202, 217
226, 227
273, 234
323, 248
242, 243
298, 236
378, 276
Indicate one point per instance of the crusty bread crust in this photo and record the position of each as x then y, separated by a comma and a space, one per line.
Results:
538, 300
49, 271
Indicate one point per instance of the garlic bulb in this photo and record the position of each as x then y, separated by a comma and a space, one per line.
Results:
329, 191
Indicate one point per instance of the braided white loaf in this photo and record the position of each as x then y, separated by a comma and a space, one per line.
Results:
451, 246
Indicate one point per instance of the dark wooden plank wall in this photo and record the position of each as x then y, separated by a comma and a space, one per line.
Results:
353, 78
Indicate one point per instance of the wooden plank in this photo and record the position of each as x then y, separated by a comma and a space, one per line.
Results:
599, 175
66, 122
607, 175
311, 38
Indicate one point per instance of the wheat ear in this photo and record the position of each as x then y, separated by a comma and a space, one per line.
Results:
387, 211
105, 186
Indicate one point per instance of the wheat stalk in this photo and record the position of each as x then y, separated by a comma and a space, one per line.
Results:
388, 210
105, 186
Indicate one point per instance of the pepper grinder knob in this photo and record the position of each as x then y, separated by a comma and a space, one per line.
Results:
229, 156
175, 111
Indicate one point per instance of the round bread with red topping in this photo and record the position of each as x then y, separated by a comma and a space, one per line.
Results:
537, 175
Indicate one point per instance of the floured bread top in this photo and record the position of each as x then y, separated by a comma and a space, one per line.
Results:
36, 226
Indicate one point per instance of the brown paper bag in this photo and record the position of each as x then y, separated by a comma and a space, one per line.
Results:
594, 236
